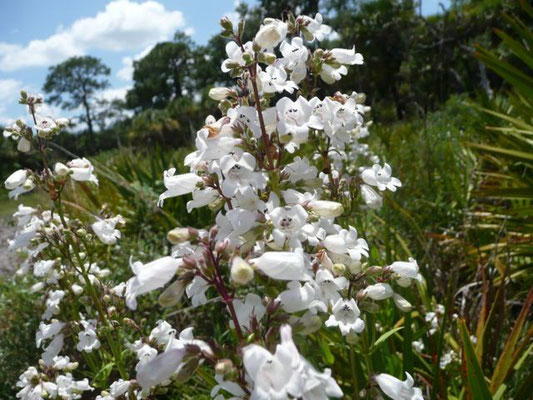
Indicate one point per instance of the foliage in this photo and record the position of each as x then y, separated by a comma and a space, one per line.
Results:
73, 84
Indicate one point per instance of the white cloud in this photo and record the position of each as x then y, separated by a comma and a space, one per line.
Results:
123, 25
114, 93
9, 90
126, 72
9, 94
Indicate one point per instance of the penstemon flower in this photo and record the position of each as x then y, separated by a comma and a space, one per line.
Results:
283, 171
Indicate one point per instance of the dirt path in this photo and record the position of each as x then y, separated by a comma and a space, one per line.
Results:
9, 260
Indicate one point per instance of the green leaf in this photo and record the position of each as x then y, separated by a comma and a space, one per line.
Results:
477, 385
384, 337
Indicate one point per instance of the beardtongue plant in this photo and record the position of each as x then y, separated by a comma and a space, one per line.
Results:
285, 172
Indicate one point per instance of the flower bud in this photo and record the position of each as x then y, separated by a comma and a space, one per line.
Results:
16, 179
61, 169
77, 289
402, 303
178, 235
224, 367
379, 291
24, 145
241, 272
226, 23
325, 208
172, 295
221, 93
339, 269
28, 184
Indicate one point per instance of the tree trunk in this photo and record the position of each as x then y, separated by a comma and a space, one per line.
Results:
92, 143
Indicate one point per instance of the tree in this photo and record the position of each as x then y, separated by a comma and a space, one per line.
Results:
163, 74
74, 82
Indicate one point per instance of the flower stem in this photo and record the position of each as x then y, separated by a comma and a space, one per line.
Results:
355, 382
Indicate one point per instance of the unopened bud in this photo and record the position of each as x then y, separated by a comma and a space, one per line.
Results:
222, 246
178, 235
273, 306
61, 169
241, 272
223, 367
77, 289
338, 269
266, 58
374, 270
172, 295
221, 93
224, 105
325, 208
226, 23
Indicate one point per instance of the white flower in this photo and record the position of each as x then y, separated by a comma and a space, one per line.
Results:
231, 387
44, 124
24, 214
196, 291
314, 28
329, 285
68, 388
371, 198
346, 56
105, 229
300, 169
381, 177
331, 74
239, 173
149, 277
18, 182
52, 303
294, 58
118, 388
144, 353
288, 222
283, 265
379, 291
87, 339
212, 142
82, 170
251, 307
407, 269
274, 79
286, 373
346, 317
48, 331
299, 297
178, 185
241, 272
42, 267
398, 390
162, 333
271, 33
293, 118
53, 349
235, 55
346, 242
418, 345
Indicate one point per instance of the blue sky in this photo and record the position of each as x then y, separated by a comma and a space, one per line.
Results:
35, 34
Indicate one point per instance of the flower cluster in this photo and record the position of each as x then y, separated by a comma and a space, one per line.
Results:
284, 169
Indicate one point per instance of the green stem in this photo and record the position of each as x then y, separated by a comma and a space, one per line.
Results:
115, 345
354, 373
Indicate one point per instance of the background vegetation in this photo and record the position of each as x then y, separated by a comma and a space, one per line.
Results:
452, 104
